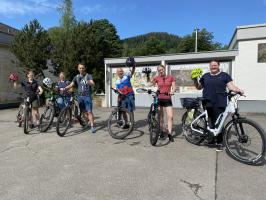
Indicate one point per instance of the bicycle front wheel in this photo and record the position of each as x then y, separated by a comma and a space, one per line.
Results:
47, 118
245, 141
192, 136
154, 127
120, 123
63, 121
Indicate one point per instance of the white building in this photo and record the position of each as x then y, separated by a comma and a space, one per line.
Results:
245, 61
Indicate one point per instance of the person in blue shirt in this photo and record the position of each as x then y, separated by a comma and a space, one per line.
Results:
123, 85
64, 96
214, 85
84, 82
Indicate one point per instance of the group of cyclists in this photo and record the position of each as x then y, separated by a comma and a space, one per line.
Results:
214, 84
83, 81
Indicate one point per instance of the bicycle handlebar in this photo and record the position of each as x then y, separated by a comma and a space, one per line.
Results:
149, 91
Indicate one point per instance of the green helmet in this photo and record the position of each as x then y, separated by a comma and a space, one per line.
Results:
195, 73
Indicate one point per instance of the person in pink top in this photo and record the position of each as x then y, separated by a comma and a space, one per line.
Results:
166, 86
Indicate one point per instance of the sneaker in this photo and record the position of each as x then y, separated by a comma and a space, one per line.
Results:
219, 148
93, 130
126, 126
171, 138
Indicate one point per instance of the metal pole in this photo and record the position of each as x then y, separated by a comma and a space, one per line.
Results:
196, 39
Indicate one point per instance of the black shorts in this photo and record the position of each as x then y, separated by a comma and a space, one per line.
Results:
165, 102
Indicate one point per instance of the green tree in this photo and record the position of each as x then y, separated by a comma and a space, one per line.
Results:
96, 40
62, 38
205, 42
31, 46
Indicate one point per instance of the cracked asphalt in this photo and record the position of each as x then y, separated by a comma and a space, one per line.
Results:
86, 166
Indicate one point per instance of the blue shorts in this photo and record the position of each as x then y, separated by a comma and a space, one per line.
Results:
128, 102
85, 103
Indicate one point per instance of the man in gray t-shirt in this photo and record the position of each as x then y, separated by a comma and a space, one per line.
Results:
84, 82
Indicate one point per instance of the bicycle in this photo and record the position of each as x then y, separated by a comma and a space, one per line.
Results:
239, 132
19, 116
51, 110
120, 122
27, 114
66, 114
153, 117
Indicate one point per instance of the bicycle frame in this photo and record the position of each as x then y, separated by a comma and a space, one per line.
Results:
230, 108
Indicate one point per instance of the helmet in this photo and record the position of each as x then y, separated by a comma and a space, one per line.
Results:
48, 82
130, 62
195, 73
13, 77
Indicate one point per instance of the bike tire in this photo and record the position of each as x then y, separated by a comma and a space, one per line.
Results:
192, 137
20, 115
114, 130
26, 122
247, 126
63, 123
44, 126
154, 127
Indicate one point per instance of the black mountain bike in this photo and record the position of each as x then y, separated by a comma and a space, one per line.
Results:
27, 114
19, 116
51, 110
153, 117
121, 121
66, 114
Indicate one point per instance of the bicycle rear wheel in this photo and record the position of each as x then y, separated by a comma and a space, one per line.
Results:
47, 118
20, 115
120, 123
154, 127
63, 121
245, 141
27, 120
190, 135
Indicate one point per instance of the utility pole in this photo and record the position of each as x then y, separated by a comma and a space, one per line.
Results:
196, 39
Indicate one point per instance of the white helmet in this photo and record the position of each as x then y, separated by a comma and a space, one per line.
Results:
48, 82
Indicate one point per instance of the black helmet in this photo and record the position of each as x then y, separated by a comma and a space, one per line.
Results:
130, 62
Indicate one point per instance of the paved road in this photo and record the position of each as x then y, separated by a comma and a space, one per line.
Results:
43, 166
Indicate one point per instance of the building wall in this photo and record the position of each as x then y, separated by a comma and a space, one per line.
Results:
8, 64
248, 73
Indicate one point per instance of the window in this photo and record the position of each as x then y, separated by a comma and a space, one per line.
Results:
262, 53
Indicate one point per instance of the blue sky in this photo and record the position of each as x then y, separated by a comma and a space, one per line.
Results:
137, 17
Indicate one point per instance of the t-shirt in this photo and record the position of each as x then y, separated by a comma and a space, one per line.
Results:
30, 88
164, 85
84, 89
63, 84
214, 88
124, 85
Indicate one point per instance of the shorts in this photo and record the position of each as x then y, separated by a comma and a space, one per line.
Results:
85, 103
128, 102
165, 102
35, 103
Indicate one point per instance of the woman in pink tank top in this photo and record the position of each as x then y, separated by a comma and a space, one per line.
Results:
166, 86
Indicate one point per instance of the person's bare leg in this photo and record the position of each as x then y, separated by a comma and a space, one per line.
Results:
160, 108
35, 115
169, 111
90, 118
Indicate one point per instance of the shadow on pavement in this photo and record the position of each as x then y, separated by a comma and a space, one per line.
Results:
134, 134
